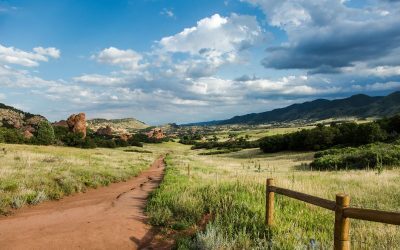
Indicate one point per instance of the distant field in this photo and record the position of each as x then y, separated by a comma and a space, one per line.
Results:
32, 174
231, 187
257, 133
262, 131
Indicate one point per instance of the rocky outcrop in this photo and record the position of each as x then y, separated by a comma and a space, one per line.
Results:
125, 137
11, 119
14, 118
107, 131
156, 133
77, 123
34, 121
27, 134
62, 123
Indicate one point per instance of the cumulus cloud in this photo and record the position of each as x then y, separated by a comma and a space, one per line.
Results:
51, 52
214, 36
10, 77
185, 72
128, 59
11, 55
329, 35
213, 42
97, 79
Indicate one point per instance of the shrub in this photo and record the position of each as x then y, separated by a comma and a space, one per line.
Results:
371, 156
324, 137
45, 134
10, 135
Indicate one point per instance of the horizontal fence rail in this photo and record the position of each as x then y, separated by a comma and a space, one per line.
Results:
341, 207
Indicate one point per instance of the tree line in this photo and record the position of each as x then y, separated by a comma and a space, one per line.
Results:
46, 134
344, 134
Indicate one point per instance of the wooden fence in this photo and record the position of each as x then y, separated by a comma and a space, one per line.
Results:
342, 209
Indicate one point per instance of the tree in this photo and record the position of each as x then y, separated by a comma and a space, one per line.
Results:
45, 133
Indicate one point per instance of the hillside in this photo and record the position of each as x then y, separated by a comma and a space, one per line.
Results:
122, 125
361, 106
15, 118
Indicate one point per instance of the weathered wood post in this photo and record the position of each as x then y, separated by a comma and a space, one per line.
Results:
342, 224
270, 199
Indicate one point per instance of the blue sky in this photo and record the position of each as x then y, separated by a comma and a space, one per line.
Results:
184, 61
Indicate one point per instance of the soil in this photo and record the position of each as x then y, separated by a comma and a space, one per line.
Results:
104, 218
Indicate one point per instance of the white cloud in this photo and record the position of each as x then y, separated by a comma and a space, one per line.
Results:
167, 12
11, 55
10, 77
362, 69
379, 86
215, 34
214, 41
97, 79
52, 52
128, 59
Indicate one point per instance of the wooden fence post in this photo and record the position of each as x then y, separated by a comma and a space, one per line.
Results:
269, 206
342, 224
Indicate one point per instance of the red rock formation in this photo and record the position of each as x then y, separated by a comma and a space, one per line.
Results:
27, 134
77, 123
125, 137
105, 131
62, 123
156, 133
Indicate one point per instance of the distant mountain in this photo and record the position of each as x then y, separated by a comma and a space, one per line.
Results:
361, 106
122, 125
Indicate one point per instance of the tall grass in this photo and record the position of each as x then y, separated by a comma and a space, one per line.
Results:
32, 174
231, 189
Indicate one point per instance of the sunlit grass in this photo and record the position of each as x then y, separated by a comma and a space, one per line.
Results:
232, 188
32, 174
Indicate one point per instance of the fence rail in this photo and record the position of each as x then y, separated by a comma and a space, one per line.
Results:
341, 207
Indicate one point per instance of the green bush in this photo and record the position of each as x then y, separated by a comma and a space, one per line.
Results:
10, 135
376, 155
45, 134
324, 137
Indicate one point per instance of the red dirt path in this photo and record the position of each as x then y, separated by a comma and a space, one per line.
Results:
105, 218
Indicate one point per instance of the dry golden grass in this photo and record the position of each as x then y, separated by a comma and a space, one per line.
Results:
368, 189
32, 174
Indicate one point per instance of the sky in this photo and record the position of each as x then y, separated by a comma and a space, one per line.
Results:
181, 61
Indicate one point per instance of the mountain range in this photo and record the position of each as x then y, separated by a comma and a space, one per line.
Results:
360, 106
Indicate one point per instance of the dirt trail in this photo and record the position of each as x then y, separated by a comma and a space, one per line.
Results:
105, 218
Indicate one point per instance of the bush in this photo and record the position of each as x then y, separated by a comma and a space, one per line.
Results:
324, 137
10, 135
45, 134
239, 143
372, 156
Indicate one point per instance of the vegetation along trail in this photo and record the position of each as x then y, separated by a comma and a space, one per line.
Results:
105, 218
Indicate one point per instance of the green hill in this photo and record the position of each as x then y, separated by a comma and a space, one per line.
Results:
360, 106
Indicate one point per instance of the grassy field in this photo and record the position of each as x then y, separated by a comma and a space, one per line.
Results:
228, 189
32, 174
257, 133
231, 189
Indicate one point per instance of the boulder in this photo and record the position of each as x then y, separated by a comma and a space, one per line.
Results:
125, 137
34, 120
27, 134
29, 128
62, 123
77, 123
104, 131
156, 133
